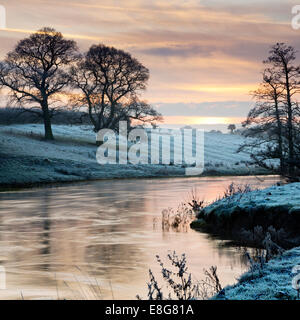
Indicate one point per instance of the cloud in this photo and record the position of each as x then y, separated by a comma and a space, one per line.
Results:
179, 51
208, 50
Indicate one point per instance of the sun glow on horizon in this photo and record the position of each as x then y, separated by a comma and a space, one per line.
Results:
197, 51
202, 120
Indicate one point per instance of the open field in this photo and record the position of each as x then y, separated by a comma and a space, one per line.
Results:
26, 159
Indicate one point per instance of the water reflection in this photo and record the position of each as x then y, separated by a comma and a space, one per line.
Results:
51, 238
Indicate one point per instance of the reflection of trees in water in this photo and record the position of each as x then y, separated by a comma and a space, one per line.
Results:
102, 226
114, 246
54, 234
46, 224
236, 254
25, 234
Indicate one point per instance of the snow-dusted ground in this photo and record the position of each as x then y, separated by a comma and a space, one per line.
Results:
278, 203
277, 207
25, 158
286, 197
273, 281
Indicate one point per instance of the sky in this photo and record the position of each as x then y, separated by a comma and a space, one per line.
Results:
204, 56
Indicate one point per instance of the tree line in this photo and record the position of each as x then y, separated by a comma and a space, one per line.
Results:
45, 70
273, 123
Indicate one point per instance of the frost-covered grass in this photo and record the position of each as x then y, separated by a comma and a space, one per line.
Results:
273, 281
277, 206
286, 197
25, 158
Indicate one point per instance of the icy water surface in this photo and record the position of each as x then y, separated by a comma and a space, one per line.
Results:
57, 242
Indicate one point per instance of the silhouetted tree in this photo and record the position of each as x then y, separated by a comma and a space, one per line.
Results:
35, 71
110, 82
274, 119
282, 58
266, 122
231, 128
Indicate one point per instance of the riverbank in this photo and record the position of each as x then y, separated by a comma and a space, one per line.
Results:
246, 217
27, 160
250, 218
274, 281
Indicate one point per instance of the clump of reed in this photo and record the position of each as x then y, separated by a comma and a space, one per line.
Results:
177, 219
180, 218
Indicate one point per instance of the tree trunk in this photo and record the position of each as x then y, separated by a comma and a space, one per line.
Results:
279, 128
47, 121
289, 122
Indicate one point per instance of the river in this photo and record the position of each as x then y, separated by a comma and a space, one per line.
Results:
98, 239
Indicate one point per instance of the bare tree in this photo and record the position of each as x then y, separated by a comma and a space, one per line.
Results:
274, 121
282, 58
266, 121
109, 82
35, 71
231, 128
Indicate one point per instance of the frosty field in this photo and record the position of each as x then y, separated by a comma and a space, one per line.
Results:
26, 159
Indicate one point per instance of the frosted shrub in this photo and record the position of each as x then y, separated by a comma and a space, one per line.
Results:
272, 249
195, 202
256, 263
179, 282
236, 190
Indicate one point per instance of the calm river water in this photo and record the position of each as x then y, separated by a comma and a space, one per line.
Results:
56, 242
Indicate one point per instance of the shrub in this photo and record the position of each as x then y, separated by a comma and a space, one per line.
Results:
180, 283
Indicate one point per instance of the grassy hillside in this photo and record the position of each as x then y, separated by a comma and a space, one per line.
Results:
25, 158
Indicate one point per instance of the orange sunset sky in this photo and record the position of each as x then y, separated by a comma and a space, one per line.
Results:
204, 56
